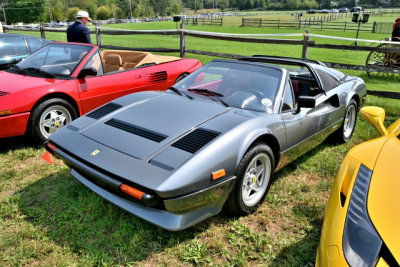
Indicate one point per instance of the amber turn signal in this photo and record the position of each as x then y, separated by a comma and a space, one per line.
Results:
218, 174
5, 112
50, 147
130, 191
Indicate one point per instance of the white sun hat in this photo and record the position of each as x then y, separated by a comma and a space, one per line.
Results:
83, 14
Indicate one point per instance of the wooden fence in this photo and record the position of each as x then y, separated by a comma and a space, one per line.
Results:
182, 33
204, 21
311, 23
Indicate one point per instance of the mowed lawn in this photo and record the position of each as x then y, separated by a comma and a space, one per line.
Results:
48, 218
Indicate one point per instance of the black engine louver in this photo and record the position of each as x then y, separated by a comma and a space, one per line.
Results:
2, 93
195, 140
137, 130
157, 77
104, 110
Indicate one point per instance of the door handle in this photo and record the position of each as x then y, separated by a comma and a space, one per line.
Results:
138, 76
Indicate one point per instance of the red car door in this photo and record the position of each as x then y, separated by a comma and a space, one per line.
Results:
98, 90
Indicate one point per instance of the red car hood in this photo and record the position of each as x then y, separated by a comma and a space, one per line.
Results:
12, 83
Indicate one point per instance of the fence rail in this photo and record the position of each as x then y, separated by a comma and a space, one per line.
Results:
182, 33
204, 21
310, 23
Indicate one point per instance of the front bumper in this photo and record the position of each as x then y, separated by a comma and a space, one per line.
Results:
179, 213
13, 125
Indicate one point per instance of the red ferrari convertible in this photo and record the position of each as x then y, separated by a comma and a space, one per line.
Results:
62, 81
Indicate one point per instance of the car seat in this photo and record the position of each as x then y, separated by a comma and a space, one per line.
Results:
113, 62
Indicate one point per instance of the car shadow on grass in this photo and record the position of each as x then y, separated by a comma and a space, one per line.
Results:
73, 216
301, 253
13, 143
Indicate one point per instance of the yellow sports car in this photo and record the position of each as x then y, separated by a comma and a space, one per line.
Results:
362, 218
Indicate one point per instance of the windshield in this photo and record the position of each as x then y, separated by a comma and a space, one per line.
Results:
55, 59
240, 85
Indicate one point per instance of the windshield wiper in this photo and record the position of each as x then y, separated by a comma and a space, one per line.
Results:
174, 89
209, 93
202, 90
43, 72
19, 69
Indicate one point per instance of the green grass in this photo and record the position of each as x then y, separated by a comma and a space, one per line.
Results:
48, 218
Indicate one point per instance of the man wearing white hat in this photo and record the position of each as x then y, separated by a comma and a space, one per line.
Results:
78, 32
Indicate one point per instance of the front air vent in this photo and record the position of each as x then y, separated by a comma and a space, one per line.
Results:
104, 110
136, 130
2, 93
195, 140
157, 77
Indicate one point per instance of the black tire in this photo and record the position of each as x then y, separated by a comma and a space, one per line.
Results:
250, 188
346, 130
49, 116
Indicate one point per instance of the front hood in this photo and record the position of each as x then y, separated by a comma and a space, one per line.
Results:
13, 83
384, 193
142, 129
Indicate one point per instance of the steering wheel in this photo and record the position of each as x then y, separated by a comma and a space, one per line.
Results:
260, 95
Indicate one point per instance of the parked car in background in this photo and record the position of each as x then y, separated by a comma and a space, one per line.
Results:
343, 10
323, 11
62, 81
356, 9
361, 224
175, 158
312, 11
334, 10
15, 47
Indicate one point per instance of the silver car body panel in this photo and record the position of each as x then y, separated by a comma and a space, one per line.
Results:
137, 144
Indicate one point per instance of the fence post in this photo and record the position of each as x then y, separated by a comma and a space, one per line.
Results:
243, 22
182, 43
374, 27
345, 23
299, 24
260, 23
98, 37
279, 20
304, 53
42, 32
322, 24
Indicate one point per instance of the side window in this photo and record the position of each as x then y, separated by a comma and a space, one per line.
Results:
13, 46
95, 62
288, 101
34, 44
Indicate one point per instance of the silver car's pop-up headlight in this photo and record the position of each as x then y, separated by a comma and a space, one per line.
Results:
361, 242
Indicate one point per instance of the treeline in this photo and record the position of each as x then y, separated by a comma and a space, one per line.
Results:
62, 10
52, 10
285, 4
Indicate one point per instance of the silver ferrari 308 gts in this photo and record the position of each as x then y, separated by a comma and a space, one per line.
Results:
177, 157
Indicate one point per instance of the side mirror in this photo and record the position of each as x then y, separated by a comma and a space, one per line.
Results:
87, 72
375, 116
305, 102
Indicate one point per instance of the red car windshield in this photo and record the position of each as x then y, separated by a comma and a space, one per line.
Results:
54, 60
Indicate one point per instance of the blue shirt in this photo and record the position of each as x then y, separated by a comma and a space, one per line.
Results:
78, 33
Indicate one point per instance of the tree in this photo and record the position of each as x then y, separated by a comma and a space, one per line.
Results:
223, 4
293, 4
104, 12
58, 10
71, 13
